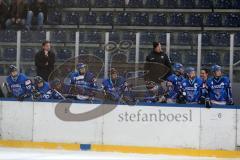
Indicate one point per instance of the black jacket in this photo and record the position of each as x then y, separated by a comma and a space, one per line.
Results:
3, 12
44, 70
158, 66
39, 7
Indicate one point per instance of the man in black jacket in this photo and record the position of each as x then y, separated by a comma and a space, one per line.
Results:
158, 64
3, 13
44, 61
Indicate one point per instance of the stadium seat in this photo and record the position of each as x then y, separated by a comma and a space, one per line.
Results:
140, 19
232, 20
226, 58
83, 3
152, 4
190, 58
54, 18
30, 71
52, 3
39, 36
221, 39
89, 18
72, 36
214, 20
28, 54
211, 58
205, 4
117, 3
105, 18
206, 39
129, 36
195, 20
83, 51
135, 3
9, 54
67, 4
26, 36
100, 53
177, 19
162, 38
159, 19
175, 57
71, 18
237, 39
147, 38
58, 36
236, 4
8, 36
123, 19
224, 4
114, 36
187, 4
132, 56
184, 38
63, 54
100, 3
93, 37
170, 4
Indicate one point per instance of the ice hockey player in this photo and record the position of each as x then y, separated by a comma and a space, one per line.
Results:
219, 88
19, 85
173, 83
85, 81
153, 93
204, 74
191, 88
41, 89
116, 88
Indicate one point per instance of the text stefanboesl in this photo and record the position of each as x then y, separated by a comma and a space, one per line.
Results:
158, 116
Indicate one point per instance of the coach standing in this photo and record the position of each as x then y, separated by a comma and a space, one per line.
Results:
158, 64
44, 61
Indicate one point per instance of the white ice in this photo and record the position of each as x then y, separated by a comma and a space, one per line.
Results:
37, 154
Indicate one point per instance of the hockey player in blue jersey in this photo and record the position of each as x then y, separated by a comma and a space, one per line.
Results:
191, 88
20, 86
116, 88
173, 83
204, 74
154, 92
219, 88
85, 82
42, 89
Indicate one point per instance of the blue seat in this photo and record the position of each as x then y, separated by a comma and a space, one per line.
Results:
135, 3
184, 38
83, 51
152, 4
26, 36
124, 19
114, 36
221, 39
72, 18
177, 19
187, 4
170, 4
93, 37
117, 3
232, 20
28, 54
211, 58
237, 39
105, 18
100, 53
59, 36
54, 18
129, 36
72, 36
63, 54
236, 4
140, 19
9, 54
214, 20
8, 36
147, 38
39, 36
132, 56
226, 58
205, 4
224, 4
195, 20
159, 19
90, 18
30, 71
83, 3
101, 3
67, 4
175, 57
162, 38
206, 39
52, 3
190, 58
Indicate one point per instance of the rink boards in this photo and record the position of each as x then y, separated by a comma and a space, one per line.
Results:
144, 125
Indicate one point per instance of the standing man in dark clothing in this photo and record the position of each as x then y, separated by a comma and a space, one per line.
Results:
158, 65
44, 61
3, 13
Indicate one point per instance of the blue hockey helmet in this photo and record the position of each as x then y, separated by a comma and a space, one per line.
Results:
38, 79
12, 68
80, 66
215, 68
177, 67
190, 69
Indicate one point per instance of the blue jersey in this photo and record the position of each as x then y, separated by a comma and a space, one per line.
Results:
153, 95
192, 89
219, 89
19, 86
45, 91
86, 80
173, 89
